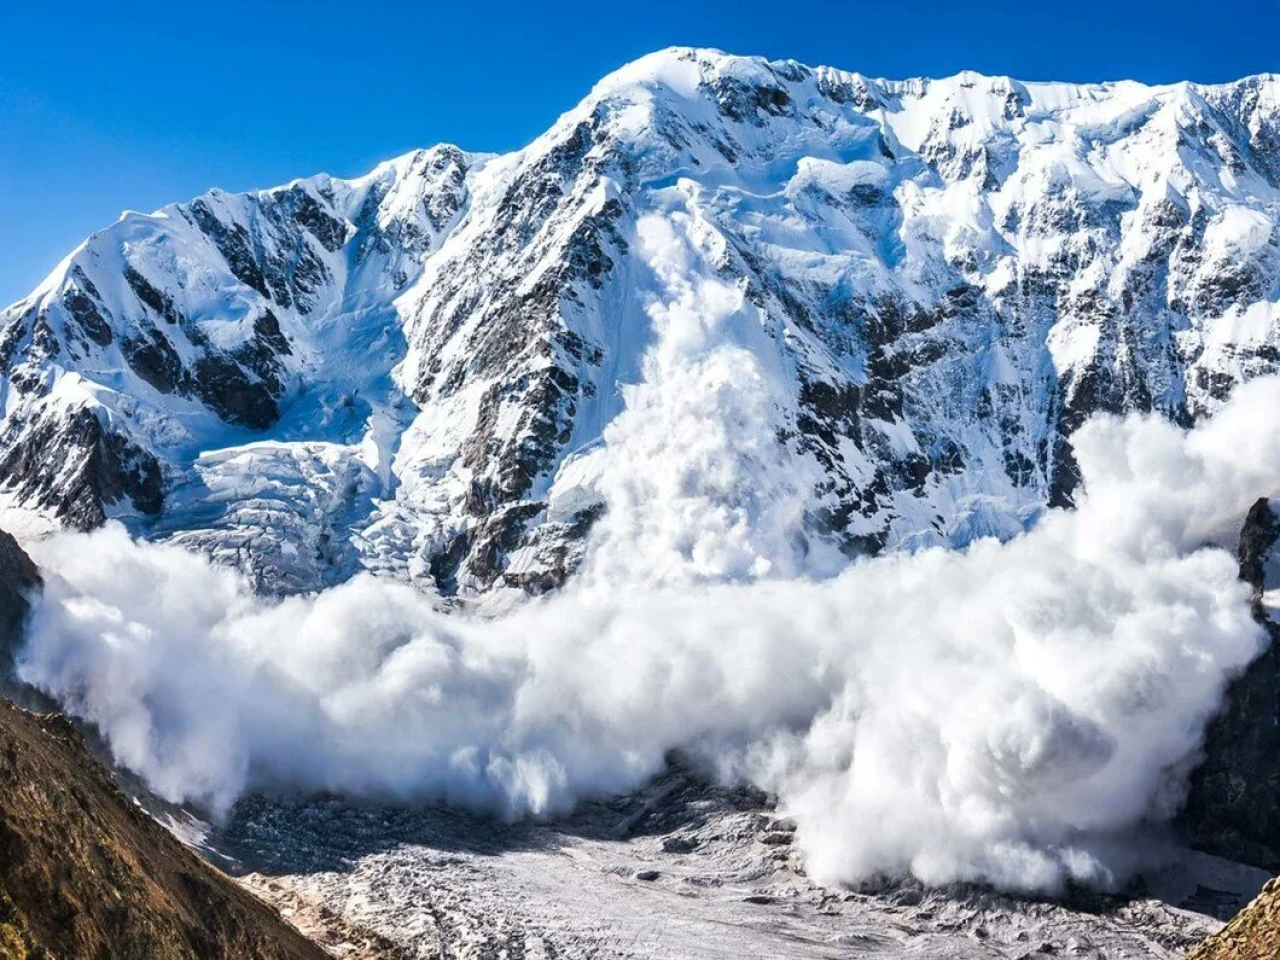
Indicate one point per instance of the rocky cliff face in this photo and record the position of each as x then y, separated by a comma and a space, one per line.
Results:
1231, 806
1253, 934
928, 285
18, 579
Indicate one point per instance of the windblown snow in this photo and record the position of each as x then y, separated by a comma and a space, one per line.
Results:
1011, 712
747, 405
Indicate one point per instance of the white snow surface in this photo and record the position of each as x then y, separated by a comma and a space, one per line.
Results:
907, 293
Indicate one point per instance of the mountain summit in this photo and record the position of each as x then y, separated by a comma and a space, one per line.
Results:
860, 314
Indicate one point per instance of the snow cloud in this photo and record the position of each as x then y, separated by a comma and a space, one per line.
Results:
1005, 713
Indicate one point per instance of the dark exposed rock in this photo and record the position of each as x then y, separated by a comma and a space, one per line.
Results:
559, 548
776, 838
84, 304
155, 360
496, 537
241, 386
1099, 388
509, 467
160, 302
857, 92
233, 243
230, 393
747, 103
266, 330
445, 563
75, 467
1232, 807
328, 229
18, 579
679, 845
1258, 536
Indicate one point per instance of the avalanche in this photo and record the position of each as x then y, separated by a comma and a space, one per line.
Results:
765, 381
1017, 713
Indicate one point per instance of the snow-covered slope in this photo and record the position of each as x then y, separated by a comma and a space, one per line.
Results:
727, 299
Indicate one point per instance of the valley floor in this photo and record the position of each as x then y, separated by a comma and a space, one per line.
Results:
681, 869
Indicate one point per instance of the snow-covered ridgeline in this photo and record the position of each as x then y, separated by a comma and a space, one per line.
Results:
910, 293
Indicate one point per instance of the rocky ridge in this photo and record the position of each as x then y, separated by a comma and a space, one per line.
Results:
1253, 934
1231, 806
84, 872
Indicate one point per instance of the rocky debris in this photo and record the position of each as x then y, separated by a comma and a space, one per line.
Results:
1231, 807
775, 838
1253, 934
335, 933
679, 845
435, 882
85, 873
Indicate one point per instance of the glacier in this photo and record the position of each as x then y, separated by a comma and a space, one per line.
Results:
868, 314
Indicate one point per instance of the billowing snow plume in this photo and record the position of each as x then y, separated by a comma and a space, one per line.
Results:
1002, 713
698, 486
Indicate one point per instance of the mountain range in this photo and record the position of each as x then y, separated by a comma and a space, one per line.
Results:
884, 304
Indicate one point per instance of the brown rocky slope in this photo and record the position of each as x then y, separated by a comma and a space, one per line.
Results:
1253, 934
84, 872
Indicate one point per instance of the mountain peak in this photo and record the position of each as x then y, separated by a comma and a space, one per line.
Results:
938, 278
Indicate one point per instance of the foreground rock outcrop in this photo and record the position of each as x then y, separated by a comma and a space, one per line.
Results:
86, 873
18, 578
1231, 806
1254, 933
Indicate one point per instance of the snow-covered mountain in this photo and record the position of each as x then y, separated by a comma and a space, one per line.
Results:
864, 314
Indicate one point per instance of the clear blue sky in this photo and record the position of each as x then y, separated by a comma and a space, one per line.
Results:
110, 106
